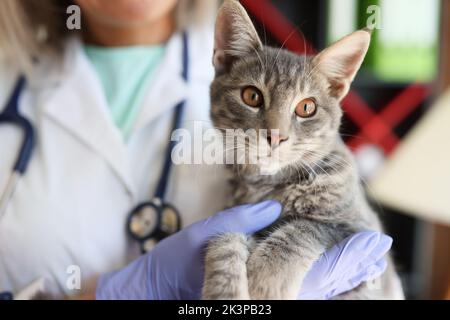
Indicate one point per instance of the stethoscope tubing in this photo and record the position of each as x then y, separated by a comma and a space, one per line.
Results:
158, 201
11, 115
8, 192
165, 173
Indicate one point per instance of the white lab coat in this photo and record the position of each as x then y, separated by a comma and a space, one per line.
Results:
83, 179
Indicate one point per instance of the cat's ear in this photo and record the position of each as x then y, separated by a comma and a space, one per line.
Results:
341, 61
235, 35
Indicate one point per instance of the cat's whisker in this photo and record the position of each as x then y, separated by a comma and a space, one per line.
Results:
364, 181
259, 58
264, 31
332, 176
299, 172
265, 42
351, 136
333, 180
315, 174
310, 74
282, 46
342, 161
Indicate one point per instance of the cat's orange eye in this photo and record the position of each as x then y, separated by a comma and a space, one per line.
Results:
306, 108
252, 97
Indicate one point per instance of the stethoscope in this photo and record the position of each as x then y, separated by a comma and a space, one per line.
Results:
156, 219
11, 115
147, 223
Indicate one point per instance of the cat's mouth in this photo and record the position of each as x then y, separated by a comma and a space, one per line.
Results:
253, 150
284, 156
272, 160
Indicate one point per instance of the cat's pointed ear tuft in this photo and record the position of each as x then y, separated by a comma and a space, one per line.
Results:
235, 35
341, 61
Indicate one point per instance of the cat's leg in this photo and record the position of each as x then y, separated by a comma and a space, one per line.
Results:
279, 263
225, 268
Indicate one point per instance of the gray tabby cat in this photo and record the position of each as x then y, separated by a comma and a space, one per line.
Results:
314, 177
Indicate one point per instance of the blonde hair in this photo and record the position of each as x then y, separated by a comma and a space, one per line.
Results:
29, 27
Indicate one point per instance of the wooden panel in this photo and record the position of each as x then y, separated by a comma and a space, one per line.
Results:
440, 282
440, 278
447, 297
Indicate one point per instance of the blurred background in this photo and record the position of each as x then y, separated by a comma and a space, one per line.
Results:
397, 118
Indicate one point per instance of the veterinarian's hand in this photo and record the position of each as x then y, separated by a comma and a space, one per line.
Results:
358, 258
174, 268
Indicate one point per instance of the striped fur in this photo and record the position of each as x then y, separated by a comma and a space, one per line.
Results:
315, 177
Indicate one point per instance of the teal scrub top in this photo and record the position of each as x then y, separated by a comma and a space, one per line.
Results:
125, 74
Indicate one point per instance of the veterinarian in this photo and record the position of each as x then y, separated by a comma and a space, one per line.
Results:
102, 102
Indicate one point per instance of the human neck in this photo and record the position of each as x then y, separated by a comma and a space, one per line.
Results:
156, 32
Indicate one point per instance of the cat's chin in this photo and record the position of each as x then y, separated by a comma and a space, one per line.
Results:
269, 169
256, 171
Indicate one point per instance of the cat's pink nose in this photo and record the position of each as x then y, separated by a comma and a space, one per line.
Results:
275, 140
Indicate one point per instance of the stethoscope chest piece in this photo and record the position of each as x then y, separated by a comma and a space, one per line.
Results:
152, 221
155, 220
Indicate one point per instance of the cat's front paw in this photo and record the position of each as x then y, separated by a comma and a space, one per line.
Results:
225, 268
269, 282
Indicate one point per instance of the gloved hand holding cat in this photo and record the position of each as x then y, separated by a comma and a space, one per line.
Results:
174, 268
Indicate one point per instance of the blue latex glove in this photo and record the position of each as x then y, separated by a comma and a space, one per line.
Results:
174, 268
358, 258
